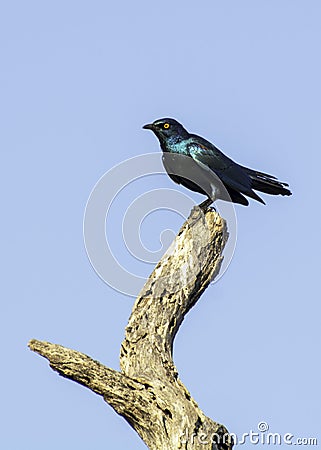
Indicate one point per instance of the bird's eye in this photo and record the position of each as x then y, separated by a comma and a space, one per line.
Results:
166, 126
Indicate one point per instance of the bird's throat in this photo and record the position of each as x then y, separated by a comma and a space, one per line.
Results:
174, 144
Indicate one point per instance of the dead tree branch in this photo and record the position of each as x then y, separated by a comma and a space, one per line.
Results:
147, 392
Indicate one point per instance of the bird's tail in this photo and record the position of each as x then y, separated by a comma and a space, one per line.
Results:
266, 183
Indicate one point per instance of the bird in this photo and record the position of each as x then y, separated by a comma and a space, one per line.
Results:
200, 166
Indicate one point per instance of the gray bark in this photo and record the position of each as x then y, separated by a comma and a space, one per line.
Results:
147, 392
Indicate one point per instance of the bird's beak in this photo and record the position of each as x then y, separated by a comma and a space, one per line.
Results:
148, 126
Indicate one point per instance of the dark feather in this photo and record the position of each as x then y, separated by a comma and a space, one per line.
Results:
267, 183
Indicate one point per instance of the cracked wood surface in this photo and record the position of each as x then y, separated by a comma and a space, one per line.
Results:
147, 392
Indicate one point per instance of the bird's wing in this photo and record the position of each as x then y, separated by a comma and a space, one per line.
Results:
230, 173
183, 169
200, 148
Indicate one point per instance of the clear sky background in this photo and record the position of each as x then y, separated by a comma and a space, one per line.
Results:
78, 81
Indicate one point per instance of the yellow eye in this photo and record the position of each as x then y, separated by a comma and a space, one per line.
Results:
166, 125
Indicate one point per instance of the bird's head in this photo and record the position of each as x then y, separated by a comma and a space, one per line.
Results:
167, 130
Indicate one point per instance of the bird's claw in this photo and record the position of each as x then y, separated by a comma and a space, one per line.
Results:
205, 205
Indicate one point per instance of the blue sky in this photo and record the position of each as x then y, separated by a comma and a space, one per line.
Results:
78, 81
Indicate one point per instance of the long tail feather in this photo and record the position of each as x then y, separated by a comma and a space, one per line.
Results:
237, 197
266, 183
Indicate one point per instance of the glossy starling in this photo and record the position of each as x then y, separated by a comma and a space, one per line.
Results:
197, 164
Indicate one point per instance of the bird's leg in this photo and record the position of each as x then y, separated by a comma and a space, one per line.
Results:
204, 205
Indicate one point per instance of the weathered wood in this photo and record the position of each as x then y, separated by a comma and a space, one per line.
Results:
147, 392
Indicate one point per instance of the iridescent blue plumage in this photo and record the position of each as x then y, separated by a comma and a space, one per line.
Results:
197, 164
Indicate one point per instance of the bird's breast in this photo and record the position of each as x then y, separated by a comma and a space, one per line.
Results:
177, 148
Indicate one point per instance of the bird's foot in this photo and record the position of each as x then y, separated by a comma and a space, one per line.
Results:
205, 205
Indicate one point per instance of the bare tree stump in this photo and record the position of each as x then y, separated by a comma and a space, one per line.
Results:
147, 392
